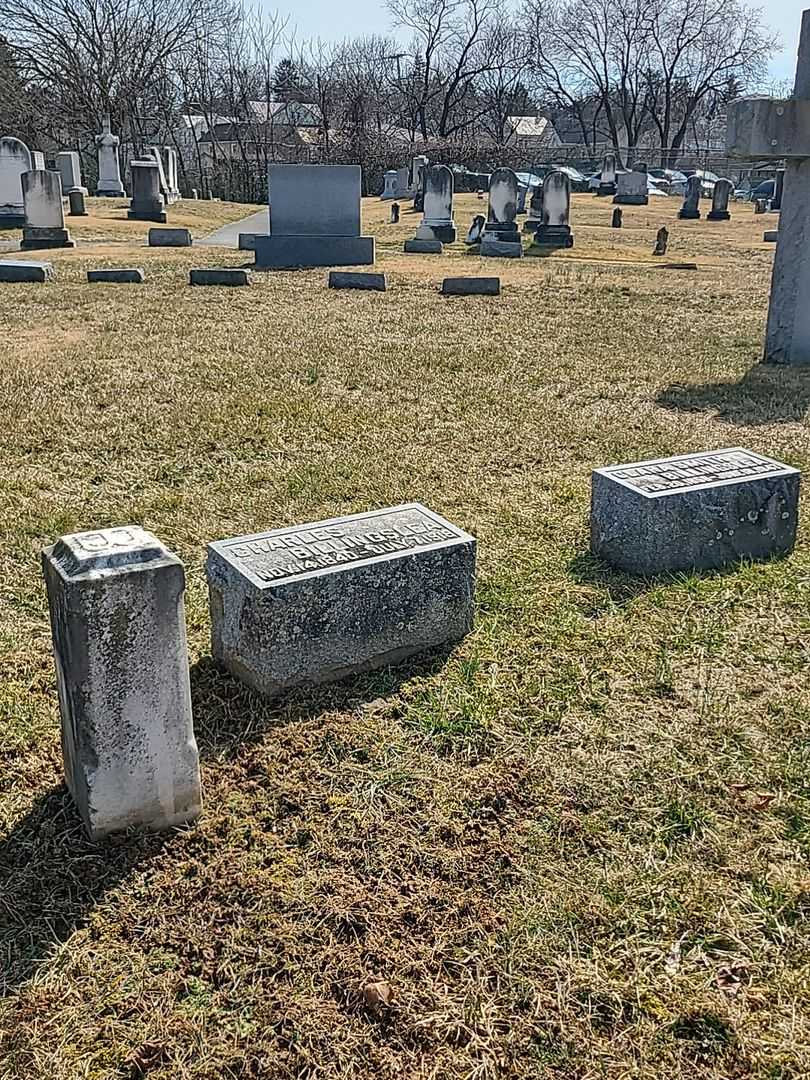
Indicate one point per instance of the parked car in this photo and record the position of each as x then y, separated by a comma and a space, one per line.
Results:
765, 190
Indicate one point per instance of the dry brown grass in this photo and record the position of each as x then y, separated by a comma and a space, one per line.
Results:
577, 846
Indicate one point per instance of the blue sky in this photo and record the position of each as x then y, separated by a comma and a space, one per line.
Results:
331, 20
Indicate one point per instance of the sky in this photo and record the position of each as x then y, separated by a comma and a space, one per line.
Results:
332, 21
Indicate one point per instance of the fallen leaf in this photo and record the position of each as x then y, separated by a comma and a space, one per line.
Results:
730, 978
377, 995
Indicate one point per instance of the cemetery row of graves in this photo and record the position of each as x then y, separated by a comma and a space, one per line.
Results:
427, 677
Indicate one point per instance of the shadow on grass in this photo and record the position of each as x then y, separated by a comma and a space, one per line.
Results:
619, 588
52, 875
767, 394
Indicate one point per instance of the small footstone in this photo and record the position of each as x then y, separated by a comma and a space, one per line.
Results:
129, 275
219, 276
500, 249
423, 247
471, 286
315, 603
679, 266
11, 270
342, 279
693, 512
76, 201
169, 238
119, 639
770, 237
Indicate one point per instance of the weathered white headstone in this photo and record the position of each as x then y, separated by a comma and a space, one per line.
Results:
313, 603
147, 202
554, 230
693, 512
766, 127
70, 169
720, 199
15, 159
501, 237
109, 169
691, 203
119, 639
44, 214
607, 179
437, 215
632, 188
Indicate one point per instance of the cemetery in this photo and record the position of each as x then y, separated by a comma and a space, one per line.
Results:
404, 634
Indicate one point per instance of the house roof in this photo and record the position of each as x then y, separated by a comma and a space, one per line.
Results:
527, 127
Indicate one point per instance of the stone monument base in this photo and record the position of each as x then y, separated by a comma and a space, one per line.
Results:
689, 215
291, 252
423, 247
147, 213
718, 215
552, 236
36, 238
631, 200
110, 193
12, 221
493, 248
606, 189
508, 233
531, 225
446, 234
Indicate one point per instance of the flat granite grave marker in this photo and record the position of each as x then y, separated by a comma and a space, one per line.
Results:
693, 512
169, 238
119, 641
345, 279
14, 270
471, 286
232, 276
124, 275
314, 603
423, 247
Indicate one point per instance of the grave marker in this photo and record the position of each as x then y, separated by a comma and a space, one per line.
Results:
314, 603
501, 237
18, 270
554, 230
147, 202
767, 127
720, 199
607, 178
632, 188
109, 169
69, 167
437, 218
315, 218
691, 203
15, 159
119, 640
44, 214
693, 512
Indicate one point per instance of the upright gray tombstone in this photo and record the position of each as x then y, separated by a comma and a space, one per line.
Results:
691, 203
147, 202
77, 205
119, 641
607, 179
501, 237
769, 128
15, 159
70, 169
37, 159
314, 603
554, 231
44, 214
314, 218
418, 166
720, 199
693, 512
155, 153
109, 168
437, 214
390, 185
632, 188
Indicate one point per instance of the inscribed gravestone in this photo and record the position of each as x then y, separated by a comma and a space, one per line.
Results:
70, 169
44, 214
691, 203
607, 179
632, 188
720, 199
501, 237
554, 231
437, 216
15, 159
766, 127
147, 202
119, 639
315, 218
314, 603
695, 511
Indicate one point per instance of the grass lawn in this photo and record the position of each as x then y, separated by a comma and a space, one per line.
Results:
576, 847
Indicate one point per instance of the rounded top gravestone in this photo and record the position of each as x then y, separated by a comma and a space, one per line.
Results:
15, 159
556, 199
503, 197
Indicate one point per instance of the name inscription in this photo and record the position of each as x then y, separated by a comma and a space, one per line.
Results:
288, 552
675, 474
